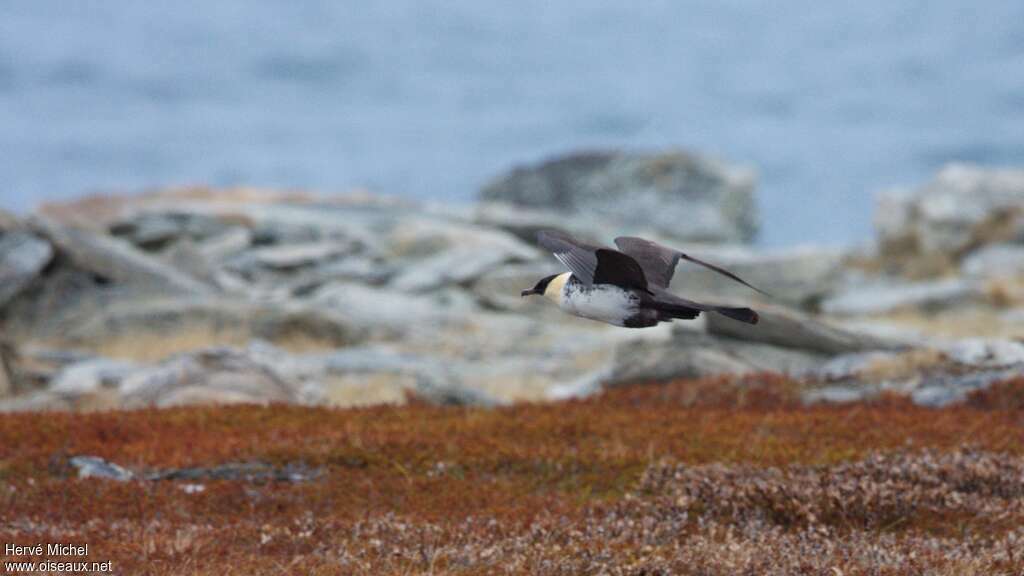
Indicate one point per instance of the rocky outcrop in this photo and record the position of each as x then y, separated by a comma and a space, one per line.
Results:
23, 255
675, 194
197, 296
118, 262
930, 230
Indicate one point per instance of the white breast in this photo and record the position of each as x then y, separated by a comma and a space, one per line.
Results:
604, 303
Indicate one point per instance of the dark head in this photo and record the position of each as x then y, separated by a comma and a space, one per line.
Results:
541, 286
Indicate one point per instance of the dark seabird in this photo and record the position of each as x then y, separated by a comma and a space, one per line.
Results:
625, 287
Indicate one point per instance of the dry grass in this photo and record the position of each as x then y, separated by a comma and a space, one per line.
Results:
705, 477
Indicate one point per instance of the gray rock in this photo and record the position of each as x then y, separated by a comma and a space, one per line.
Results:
149, 231
232, 241
848, 366
962, 208
352, 269
790, 329
798, 276
524, 223
584, 386
885, 297
35, 401
837, 394
23, 256
500, 289
430, 379
676, 194
443, 255
63, 297
639, 362
995, 261
981, 353
153, 230
382, 312
6, 358
88, 376
96, 467
293, 256
215, 317
211, 376
240, 471
118, 261
948, 388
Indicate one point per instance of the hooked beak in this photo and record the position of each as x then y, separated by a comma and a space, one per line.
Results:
526, 293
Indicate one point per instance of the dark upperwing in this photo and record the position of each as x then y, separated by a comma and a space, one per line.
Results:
594, 264
659, 262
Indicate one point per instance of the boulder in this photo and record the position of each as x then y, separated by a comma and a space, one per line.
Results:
676, 194
88, 376
211, 321
942, 389
982, 353
643, 362
436, 254
210, 376
886, 296
96, 467
426, 378
385, 313
927, 231
23, 256
352, 269
156, 230
290, 257
118, 262
995, 261
500, 288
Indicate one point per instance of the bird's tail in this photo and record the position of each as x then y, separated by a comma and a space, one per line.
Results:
742, 314
691, 310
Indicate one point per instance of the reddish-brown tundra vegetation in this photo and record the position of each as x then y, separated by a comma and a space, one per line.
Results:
703, 477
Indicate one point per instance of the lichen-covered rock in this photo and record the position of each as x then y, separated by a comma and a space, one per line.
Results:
995, 261
119, 262
887, 296
929, 230
234, 320
675, 194
211, 376
23, 256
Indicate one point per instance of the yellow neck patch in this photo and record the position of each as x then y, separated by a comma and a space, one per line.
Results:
553, 291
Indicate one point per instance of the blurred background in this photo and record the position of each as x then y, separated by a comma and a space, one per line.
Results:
430, 100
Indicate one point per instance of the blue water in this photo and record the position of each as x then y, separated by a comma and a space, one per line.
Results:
830, 101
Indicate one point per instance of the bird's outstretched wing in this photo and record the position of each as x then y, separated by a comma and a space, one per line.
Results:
659, 262
594, 264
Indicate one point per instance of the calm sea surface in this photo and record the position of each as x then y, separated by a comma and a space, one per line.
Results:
830, 101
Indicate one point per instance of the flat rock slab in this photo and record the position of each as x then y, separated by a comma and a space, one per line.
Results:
23, 256
118, 261
885, 297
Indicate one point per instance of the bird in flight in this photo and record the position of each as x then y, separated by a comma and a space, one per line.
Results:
625, 287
